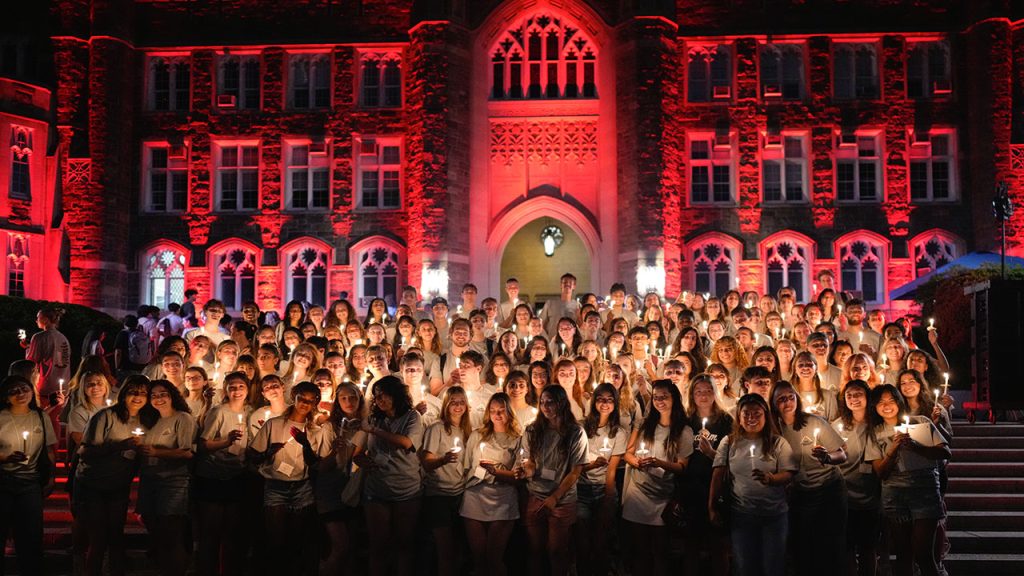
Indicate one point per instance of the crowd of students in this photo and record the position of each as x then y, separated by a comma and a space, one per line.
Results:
751, 434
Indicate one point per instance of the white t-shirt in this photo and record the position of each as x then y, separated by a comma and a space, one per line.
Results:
40, 434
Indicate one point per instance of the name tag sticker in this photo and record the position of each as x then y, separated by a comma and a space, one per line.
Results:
128, 454
548, 474
285, 468
480, 473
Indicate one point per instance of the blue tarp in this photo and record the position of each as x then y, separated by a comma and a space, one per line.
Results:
971, 261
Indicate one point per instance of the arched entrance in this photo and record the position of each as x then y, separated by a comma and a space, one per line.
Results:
538, 274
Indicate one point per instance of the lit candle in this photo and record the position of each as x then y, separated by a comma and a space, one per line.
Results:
606, 449
138, 432
931, 323
840, 308
423, 392
458, 362
809, 398
605, 355
61, 384
937, 392
501, 383
456, 447
563, 349
839, 427
24, 442
403, 341
704, 424
21, 334
266, 416
817, 431
704, 325
752, 462
522, 456
945, 377
108, 402
707, 295
642, 451
240, 418
668, 351
482, 446
860, 337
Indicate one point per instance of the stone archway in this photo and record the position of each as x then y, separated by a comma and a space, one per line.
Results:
538, 274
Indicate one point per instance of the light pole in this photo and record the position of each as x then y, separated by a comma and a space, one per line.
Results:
1002, 208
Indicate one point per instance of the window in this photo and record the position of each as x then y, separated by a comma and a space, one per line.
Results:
862, 268
21, 163
714, 267
381, 80
17, 259
931, 167
787, 263
163, 276
543, 57
169, 79
711, 169
928, 70
238, 176
380, 173
238, 83
309, 81
782, 71
379, 269
856, 71
308, 178
784, 168
709, 73
235, 276
306, 274
858, 160
166, 178
933, 250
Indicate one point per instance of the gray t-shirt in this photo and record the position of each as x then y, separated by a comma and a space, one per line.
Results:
613, 447
12, 439
446, 480
553, 465
228, 462
862, 486
908, 471
397, 475
658, 482
749, 495
813, 474
176, 432
110, 468
288, 464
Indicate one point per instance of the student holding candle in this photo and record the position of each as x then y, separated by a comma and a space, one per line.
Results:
271, 403
221, 479
164, 478
818, 502
392, 488
198, 392
909, 472
659, 450
555, 453
27, 455
565, 376
104, 475
863, 519
860, 366
428, 405
517, 389
597, 494
728, 352
284, 450
814, 396
761, 464
444, 482
305, 361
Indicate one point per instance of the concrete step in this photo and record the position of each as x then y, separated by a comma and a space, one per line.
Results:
987, 442
972, 520
985, 485
985, 564
985, 469
987, 542
989, 455
985, 502
986, 429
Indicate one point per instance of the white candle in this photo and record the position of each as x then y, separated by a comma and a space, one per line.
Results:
839, 307
522, 456
501, 383
458, 362
61, 384
24, 442
108, 402
21, 334
937, 394
456, 447
931, 323
240, 418
945, 377
563, 349
138, 432
752, 462
704, 424
606, 449
810, 400
817, 431
482, 446
707, 295
423, 392
642, 451
668, 351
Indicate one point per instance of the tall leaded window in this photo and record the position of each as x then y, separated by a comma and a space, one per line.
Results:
380, 173
309, 80
928, 69
932, 163
164, 276
238, 176
21, 163
782, 71
308, 176
381, 80
787, 263
784, 168
933, 250
709, 73
166, 178
862, 268
238, 82
714, 267
169, 83
856, 71
379, 273
858, 159
306, 274
17, 261
544, 57
711, 169
235, 276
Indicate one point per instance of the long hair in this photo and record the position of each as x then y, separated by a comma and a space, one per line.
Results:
716, 408
593, 420
177, 400
532, 397
876, 395
401, 401
435, 344
337, 413
740, 355
767, 433
332, 313
79, 392
120, 409
698, 348
577, 388
677, 416
305, 388
924, 398
314, 360
627, 403
446, 418
204, 398
287, 317
776, 374
800, 418
808, 357
536, 430
488, 375
845, 414
12, 381
514, 427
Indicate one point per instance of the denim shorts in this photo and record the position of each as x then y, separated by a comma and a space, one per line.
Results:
906, 504
163, 496
589, 499
295, 495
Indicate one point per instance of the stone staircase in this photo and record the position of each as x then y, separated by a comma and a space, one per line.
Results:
986, 500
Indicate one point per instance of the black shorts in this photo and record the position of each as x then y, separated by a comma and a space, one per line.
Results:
216, 491
442, 511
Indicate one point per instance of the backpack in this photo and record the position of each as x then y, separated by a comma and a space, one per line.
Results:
140, 347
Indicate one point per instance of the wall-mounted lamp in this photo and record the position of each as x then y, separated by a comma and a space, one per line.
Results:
551, 237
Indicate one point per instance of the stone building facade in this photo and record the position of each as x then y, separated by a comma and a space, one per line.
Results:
301, 149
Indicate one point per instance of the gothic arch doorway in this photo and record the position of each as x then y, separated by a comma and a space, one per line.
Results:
524, 258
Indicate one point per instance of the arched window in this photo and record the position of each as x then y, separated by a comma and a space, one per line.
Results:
17, 261
21, 156
713, 264
787, 261
544, 57
932, 250
234, 275
163, 276
306, 273
862, 266
381, 80
378, 271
